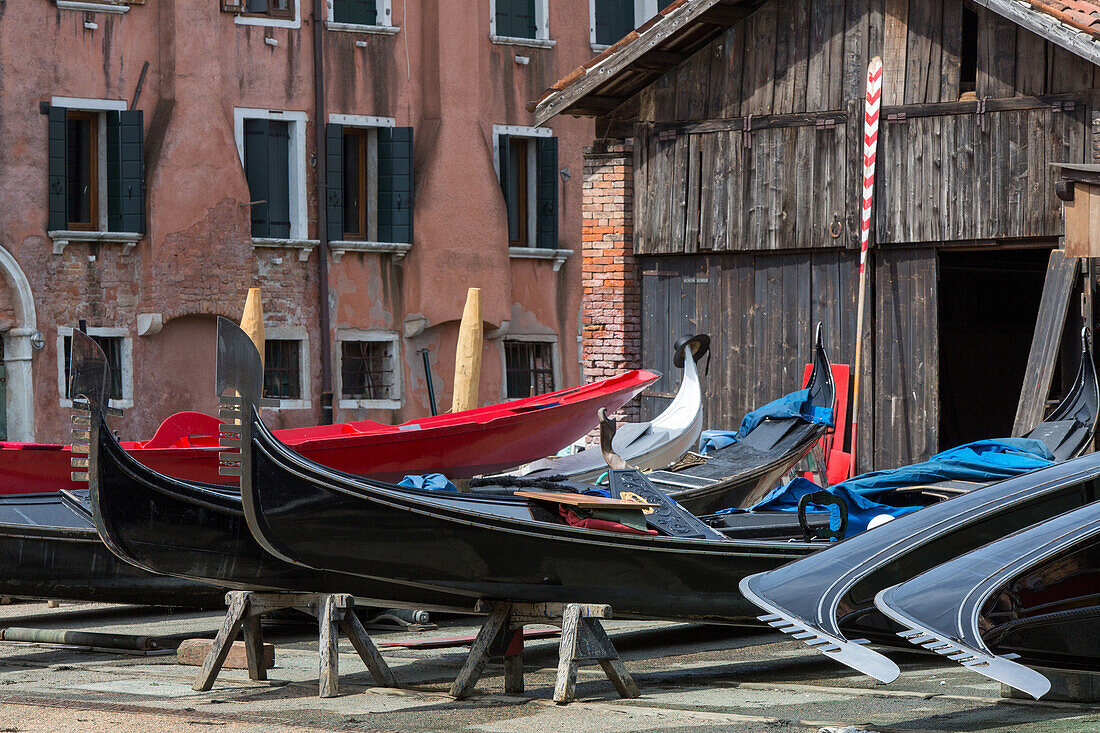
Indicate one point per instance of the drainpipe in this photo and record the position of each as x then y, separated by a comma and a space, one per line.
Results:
320, 118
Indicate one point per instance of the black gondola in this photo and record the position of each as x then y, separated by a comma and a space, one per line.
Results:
49, 549
1029, 598
187, 530
482, 546
827, 599
741, 474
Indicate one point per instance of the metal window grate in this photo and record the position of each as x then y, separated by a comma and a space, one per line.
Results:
112, 347
529, 368
283, 369
366, 368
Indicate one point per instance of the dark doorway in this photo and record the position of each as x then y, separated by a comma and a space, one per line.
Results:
988, 303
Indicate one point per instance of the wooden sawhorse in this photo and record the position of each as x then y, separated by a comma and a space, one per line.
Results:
582, 639
331, 610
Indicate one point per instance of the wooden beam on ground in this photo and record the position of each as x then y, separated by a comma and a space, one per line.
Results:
1049, 324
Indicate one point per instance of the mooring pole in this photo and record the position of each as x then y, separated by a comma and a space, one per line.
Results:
870, 147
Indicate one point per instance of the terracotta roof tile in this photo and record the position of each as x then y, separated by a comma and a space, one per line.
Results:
1084, 15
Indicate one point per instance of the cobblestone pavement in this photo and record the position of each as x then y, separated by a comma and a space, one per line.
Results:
691, 677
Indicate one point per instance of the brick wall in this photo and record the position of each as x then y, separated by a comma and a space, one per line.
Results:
611, 305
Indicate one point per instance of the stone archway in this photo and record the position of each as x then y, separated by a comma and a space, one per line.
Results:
18, 351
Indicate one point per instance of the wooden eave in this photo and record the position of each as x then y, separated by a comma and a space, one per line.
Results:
1061, 31
636, 61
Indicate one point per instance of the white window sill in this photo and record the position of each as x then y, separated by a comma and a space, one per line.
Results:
600, 47
378, 30
339, 247
268, 22
119, 404
539, 253
92, 7
304, 246
526, 42
369, 404
291, 405
61, 238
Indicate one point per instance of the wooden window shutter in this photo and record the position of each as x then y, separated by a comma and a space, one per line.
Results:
546, 192
125, 171
516, 18
59, 217
395, 184
358, 12
504, 145
278, 179
614, 19
255, 170
334, 181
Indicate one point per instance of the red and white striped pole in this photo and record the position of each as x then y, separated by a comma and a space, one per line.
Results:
870, 148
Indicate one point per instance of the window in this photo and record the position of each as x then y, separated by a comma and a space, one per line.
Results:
613, 19
369, 375
116, 344
271, 145
528, 368
527, 163
282, 369
370, 180
96, 167
360, 12
272, 8
520, 20
968, 52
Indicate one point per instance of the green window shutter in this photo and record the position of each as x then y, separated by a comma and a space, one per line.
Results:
278, 181
334, 181
516, 18
395, 184
546, 192
359, 12
614, 19
58, 196
255, 170
504, 146
125, 171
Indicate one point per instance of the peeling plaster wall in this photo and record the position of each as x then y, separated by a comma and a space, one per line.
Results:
440, 74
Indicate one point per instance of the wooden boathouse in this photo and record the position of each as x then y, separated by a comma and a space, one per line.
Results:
722, 196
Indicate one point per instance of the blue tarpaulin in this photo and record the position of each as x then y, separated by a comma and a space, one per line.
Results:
428, 482
982, 460
796, 404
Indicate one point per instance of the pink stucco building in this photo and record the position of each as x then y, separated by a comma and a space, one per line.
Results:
161, 157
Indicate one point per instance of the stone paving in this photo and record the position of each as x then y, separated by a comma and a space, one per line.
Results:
691, 677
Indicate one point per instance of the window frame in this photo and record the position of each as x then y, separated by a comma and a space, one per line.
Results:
542, 27
383, 20
292, 20
97, 139
373, 124
643, 11
530, 133
126, 355
100, 231
301, 335
529, 338
376, 336
296, 175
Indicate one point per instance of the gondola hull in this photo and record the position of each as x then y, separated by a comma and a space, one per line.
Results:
830, 597
492, 548
177, 528
464, 444
49, 551
1033, 594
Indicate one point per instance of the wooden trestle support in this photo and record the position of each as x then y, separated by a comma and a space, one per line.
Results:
331, 610
582, 639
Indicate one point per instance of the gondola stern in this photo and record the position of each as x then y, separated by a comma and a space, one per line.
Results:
984, 662
851, 653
